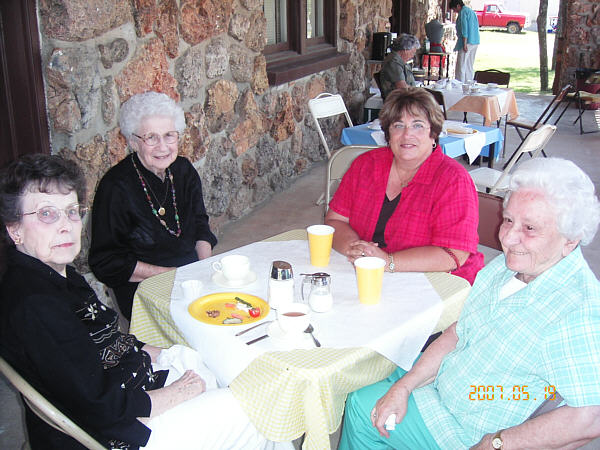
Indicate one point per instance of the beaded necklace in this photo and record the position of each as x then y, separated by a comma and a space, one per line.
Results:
153, 208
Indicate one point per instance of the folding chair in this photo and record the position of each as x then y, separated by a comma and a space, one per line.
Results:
327, 105
584, 99
46, 410
338, 165
541, 120
492, 180
439, 97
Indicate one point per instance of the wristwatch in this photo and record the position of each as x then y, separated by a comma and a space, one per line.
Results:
497, 441
391, 265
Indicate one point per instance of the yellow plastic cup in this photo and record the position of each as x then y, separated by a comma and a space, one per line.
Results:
369, 276
320, 238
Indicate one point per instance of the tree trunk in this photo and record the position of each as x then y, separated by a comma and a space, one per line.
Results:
541, 27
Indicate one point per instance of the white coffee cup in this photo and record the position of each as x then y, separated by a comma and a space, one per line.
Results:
235, 268
192, 289
293, 318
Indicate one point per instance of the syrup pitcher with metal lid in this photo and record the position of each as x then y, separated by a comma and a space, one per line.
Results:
319, 295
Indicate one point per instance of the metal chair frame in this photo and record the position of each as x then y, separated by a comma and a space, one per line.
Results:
46, 410
327, 105
541, 120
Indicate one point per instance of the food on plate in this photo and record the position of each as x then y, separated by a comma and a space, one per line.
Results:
229, 308
231, 320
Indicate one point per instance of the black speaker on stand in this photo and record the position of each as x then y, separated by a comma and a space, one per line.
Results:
381, 42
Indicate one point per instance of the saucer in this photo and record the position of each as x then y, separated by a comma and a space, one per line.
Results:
289, 340
220, 279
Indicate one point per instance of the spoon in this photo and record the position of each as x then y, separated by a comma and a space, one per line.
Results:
310, 330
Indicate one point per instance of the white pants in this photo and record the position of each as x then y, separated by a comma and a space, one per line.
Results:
213, 420
465, 62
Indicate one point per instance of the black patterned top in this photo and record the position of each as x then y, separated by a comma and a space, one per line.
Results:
57, 334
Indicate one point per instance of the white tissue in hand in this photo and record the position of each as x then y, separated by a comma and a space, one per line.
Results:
390, 423
180, 358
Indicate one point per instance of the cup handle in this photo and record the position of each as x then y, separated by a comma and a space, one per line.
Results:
217, 266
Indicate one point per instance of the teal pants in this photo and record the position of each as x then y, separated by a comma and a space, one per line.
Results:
359, 434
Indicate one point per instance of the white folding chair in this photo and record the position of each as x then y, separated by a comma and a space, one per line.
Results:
494, 181
327, 105
46, 410
337, 166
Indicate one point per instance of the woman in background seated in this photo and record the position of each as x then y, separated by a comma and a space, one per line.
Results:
395, 73
409, 203
148, 215
59, 337
530, 328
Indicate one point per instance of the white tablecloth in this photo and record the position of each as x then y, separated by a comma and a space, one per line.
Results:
395, 328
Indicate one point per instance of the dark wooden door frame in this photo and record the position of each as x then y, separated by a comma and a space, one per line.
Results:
23, 119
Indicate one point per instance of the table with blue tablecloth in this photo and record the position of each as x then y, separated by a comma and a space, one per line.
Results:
451, 146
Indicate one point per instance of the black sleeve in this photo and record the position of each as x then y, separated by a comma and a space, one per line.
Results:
111, 257
194, 189
68, 364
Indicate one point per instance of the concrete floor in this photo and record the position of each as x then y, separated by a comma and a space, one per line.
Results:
295, 208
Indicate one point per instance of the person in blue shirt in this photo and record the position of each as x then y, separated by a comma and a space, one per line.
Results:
529, 329
467, 30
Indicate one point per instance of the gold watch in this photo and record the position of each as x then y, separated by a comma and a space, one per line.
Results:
497, 442
391, 265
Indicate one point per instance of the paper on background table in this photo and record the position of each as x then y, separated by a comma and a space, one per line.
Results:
396, 328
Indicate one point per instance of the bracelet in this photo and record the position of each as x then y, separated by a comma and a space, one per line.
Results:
453, 256
391, 265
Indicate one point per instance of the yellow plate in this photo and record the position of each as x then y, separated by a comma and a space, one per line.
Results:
216, 302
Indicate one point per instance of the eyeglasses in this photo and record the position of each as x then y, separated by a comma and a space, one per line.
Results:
153, 139
50, 214
416, 127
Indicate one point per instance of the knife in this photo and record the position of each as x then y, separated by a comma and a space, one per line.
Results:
252, 328
257, 339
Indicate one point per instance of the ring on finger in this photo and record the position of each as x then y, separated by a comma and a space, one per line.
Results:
362, 254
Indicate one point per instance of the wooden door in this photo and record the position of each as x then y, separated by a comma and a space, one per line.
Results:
23, 122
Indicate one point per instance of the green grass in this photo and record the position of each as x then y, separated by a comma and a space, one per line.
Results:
517, 54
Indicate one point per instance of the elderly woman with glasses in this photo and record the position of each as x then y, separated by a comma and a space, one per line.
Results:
395, 73
529, 330
58, 336
148, 215
408, 203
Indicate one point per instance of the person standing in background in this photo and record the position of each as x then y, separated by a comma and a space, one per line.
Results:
467, 30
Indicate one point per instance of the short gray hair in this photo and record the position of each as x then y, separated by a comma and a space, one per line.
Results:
568, 189
149, 104
405, 42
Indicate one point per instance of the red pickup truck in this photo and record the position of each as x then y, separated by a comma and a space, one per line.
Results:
492, 16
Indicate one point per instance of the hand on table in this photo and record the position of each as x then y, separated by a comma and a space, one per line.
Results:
358, 249
395, 401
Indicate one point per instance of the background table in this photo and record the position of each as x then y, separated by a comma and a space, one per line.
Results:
492, 104
285, 393
451, 146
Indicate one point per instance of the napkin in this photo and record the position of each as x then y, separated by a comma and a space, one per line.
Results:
473, 145
179, 358
379, 137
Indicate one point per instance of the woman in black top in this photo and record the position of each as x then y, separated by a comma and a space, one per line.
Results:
148, 215
57, 335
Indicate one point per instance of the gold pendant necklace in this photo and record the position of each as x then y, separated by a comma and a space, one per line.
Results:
161, 211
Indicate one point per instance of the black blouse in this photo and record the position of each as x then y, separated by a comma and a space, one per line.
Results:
125, 231
388, 208
58, 336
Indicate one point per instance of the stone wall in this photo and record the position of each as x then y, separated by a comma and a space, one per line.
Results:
579, 44
246, 139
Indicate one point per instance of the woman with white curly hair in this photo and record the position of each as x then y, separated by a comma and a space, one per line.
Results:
529, 329
148, 215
